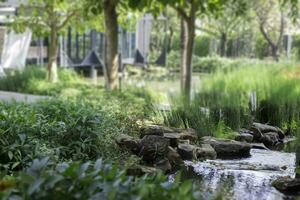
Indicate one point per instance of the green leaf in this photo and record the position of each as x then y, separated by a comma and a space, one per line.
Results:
10, 155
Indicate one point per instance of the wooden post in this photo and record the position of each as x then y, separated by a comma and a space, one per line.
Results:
93, 75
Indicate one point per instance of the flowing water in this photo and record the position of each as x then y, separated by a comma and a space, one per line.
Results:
244, 179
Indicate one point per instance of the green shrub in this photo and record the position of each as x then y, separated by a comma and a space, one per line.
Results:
202, 45
261, 48
176, 42
296, 46
209, 64
33, 80
174, 60
81, 128
99, 180
18, 80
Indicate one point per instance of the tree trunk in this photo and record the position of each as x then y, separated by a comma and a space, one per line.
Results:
274, 45
187, 42
111, 50
52, 62
223, 45
170, 39
275, 53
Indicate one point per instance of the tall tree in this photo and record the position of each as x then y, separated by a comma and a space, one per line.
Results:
271, 19
48, 18
188, 10
111, 9
223, 27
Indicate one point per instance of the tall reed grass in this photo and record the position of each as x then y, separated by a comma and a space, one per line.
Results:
224, 98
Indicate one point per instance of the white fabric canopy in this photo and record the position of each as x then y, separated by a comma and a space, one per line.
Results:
143, 34
2, 73
15, 50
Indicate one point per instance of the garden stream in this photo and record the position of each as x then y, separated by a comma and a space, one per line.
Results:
244, 179
239, 179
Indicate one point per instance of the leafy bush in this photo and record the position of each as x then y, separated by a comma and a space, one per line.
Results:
18, 80
296, 46
69, 129
202, 46
261, 48
174, 60
33, 80
97, 180
209, 64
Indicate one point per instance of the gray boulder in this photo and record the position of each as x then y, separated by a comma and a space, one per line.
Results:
270, 139
183, 141
128, 142
259, 146
184, 134
188, 134
259, 128
228, 148
140, 170
187, 151
164, 165
153, 147
173, 137
287, 184
174, 159
205, 151
244, 137
155, 130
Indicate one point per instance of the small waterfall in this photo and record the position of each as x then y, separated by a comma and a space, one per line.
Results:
247, 178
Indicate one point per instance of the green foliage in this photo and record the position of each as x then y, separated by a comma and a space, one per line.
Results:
210, 64
296, 46
99, 180
44, 16
174, 60
78, 128
261, 48
202, 45
33, 80
224, 98
176, 42
19, 81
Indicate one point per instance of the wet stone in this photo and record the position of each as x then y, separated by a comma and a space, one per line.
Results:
228, 148
153, 147
244, 137
287, 184
187, 151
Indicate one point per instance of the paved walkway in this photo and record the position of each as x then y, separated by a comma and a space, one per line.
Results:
19, 97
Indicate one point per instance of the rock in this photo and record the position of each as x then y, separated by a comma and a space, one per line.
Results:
264, 128
128, 142
244, 137
140, 170
281, 134
189, 134
174, 158
205, 151
153, 147
173, 137
155, 130
163, 165
257, 134
259, 146
183, 141
287, 184
270, 139
187, 151
228, 148
185, 134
